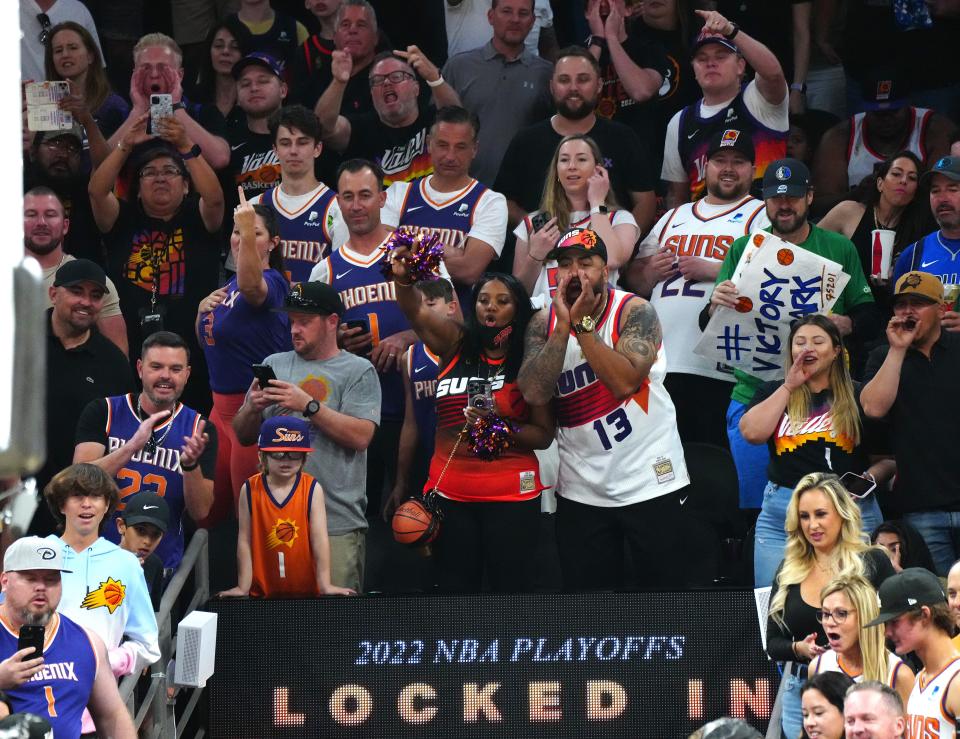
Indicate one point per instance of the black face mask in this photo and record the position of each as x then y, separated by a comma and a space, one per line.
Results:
493, 337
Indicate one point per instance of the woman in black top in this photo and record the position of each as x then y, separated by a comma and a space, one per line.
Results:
824, 541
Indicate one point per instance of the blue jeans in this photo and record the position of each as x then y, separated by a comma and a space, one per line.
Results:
771, 537
791, 713
941, 531
751, 460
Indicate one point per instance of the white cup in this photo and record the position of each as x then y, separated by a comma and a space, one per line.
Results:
881, 252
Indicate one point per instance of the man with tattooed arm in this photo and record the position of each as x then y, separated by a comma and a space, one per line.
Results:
596, 351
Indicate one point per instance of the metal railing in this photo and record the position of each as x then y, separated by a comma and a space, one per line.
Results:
155, 714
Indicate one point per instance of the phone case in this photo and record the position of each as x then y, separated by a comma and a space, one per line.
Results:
163, 108
46, 93
49, 118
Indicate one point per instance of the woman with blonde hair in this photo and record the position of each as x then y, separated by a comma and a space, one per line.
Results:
824, 542
856, 650
811, 422
576, 194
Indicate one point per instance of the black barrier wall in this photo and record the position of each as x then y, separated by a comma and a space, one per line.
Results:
654, 665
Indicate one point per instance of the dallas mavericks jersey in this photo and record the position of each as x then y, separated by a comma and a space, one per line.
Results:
829, 661
926, 713
159, 471
367, 295
306, 234
423, 367
934, 254
861, 158
61, 690
687, 231
612, 452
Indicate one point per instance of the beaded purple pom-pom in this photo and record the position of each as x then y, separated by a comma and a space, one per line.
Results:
489, 437
423, 261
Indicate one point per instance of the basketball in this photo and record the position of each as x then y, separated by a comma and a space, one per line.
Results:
113, 593
744, 305
411, 522
785, 257
285, 531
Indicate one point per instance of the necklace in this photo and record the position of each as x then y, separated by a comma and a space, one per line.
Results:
152, 443
889, 225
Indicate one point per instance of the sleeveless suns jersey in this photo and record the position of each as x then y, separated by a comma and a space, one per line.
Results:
450, 220
830, 661
927, 716
306, 234
861, 158
515, 475
422, 369
695, 132
61, 690
678, 301
280, 540
614, 453
158, 472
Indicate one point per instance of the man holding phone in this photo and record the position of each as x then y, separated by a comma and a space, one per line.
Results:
64, 679
912, 383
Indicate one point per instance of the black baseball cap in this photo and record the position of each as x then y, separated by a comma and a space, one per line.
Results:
77, 271
907, 591
583, 240
147, 507
949, 167
312, 297
788, 177
270, 63
734, 139
884, 89
709, 37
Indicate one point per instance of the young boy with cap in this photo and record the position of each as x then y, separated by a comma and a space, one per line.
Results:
282, 546
916, 618
142, 524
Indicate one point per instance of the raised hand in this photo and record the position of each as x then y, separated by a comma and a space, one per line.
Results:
420, 63
598, 186
541, 242
193, 446
341, 66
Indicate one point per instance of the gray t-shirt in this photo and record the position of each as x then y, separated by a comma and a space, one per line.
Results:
347, 384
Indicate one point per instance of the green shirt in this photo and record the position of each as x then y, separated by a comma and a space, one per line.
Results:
826, 244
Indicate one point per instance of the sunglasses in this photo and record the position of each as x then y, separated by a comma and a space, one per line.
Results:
45, 26
280, 456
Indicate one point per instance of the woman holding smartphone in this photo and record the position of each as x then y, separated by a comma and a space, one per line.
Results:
237, 329
576, 194
812, 422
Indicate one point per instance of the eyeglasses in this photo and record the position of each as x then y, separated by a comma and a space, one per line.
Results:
837, 615
45, 25
280, 456
165, 172
394, 77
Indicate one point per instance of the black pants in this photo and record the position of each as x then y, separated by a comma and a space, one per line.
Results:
701, 404
496, 539
381, 464
591, 543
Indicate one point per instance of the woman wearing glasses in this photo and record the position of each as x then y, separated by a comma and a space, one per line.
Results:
856, 650
824, 542
812, 422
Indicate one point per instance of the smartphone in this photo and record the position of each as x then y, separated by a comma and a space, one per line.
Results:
480, 394
360, 323
858, 486
31, 636
161, 106
264, 373
539, 219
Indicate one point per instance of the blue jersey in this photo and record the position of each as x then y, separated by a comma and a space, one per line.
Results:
61, 690
422, 368
158, 472
305, 234
236, 335
367, 295
934, 253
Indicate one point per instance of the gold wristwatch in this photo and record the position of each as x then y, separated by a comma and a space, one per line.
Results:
585, 325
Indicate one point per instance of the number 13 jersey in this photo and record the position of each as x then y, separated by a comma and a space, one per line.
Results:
614, 453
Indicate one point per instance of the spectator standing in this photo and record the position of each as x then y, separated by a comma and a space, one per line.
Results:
501, 69
142, 524
228, 42
338, 393
272, 33
320, 43
910, 383
37, 17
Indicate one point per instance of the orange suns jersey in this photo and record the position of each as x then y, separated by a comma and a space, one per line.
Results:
280, 540
927, 714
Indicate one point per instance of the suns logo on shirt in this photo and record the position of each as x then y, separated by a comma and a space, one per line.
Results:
284, 532
109, 595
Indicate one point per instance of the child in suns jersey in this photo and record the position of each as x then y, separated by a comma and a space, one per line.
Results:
282, 545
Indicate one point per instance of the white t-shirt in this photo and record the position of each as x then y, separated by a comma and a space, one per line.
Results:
31, 50
775, 116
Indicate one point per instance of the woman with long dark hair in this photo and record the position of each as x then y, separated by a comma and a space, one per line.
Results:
491, 509
227, 43
812, 422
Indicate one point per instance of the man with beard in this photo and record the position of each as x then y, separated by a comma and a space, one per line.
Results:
575, 88
677, 264
394, 135
45, 228
66, 679
788, 194
622, 470
154, 442
338, 393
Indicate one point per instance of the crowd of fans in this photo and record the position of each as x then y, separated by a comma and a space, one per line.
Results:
239, 340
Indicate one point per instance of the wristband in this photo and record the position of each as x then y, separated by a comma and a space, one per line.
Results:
800, 87
192, 154
599, 209
437, 82
189, 467
123, 148
730, 36
178, 106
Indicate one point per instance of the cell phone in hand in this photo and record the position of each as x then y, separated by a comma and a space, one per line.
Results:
264, 373
539, 219
360, 323
31, 636
161, 106
858, 486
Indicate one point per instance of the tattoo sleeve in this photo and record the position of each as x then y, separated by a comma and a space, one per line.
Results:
640, 336
542, 361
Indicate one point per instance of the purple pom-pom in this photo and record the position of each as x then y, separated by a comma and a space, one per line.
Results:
489, 437
423, 261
